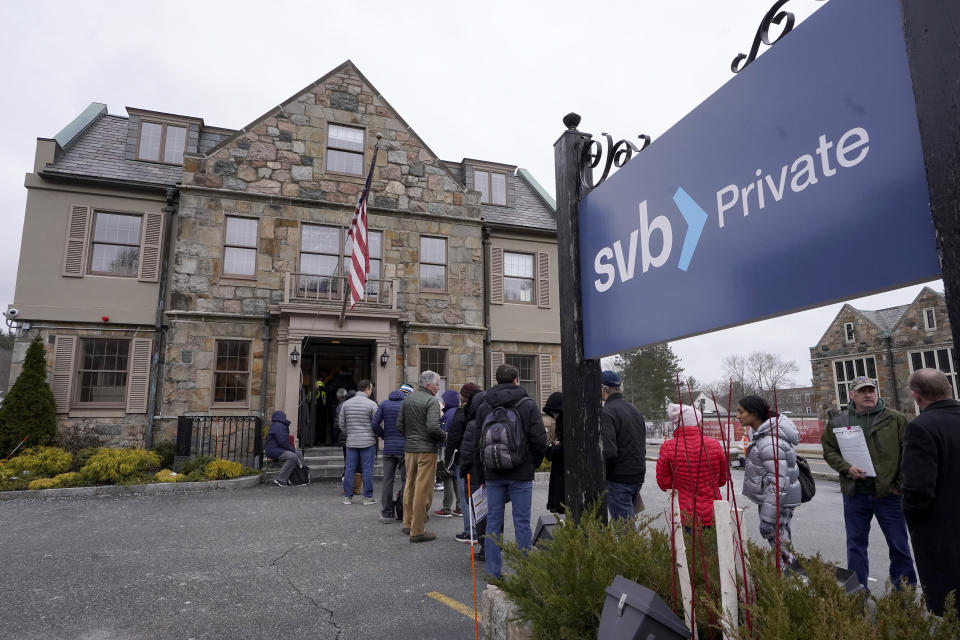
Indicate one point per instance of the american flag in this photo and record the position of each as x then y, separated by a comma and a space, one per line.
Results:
360, 259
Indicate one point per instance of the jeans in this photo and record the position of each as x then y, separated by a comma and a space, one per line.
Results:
620, 499
418, 492
365, 456
390, 466
291, 460
858, 512
520, 493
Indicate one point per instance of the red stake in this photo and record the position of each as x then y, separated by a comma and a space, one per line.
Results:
473, 568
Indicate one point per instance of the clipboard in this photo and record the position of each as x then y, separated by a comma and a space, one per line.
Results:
853, 448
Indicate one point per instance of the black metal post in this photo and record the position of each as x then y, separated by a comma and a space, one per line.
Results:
933, 52
583, 459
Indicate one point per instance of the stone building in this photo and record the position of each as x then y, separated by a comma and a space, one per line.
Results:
887, 345
203, 268
798, 401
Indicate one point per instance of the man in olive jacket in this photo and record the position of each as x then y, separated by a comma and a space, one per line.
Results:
419, 423
931, 479
867, 496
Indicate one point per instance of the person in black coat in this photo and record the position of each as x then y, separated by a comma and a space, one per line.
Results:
555, 491
452, 453
470, 464
624, 447
931, 482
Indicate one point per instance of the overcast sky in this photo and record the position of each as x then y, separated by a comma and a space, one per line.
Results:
489, 80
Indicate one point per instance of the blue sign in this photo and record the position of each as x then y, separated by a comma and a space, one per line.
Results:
798, 183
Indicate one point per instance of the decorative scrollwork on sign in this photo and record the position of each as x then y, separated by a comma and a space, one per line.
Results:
773, 16
617, 155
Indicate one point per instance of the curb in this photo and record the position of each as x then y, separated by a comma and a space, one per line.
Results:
152, 489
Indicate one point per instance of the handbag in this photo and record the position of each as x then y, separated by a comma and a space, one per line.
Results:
808, 487
300, 475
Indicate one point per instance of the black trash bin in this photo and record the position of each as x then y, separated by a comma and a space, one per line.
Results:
633, 612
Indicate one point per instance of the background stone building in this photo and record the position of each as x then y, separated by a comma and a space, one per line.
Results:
204, 268
887, 345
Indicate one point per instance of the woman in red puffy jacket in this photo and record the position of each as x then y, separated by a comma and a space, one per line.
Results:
693, 464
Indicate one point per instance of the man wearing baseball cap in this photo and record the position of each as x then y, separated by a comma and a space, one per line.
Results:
866, 497
624, 447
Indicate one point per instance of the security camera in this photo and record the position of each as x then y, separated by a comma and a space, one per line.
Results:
12, 312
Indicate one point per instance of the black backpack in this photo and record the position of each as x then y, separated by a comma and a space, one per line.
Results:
808, 487
503, 440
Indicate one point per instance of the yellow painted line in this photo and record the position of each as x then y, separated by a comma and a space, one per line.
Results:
453, 604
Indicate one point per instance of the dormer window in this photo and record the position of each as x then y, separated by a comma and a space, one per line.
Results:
929, 319
162, 142
848, 331
492, 187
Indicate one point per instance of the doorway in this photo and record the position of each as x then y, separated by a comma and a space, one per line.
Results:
338, 363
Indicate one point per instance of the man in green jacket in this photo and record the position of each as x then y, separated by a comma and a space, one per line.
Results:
866, 496
419, 423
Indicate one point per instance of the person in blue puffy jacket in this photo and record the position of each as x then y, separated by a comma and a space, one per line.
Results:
384, 425
278, 447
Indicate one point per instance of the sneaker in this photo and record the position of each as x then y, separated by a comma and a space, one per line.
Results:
458, 512
368, 501
443, 513
438, 486
465, 538
278, 483
347, 499
426, 536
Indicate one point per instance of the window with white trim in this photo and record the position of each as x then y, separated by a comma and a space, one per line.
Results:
345, 149
844, 371
518, 277
162, 142
944, 359
435, 360
323, 248
527, 366
848, 332
240, 247
433, 264
929, 319
115, 247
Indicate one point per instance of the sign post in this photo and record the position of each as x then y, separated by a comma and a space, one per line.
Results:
583, 460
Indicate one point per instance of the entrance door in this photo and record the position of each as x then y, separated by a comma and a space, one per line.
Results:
338, 363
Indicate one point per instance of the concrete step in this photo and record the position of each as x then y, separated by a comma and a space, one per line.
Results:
326, 464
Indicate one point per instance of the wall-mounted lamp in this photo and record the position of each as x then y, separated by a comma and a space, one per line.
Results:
294, 356
384, 358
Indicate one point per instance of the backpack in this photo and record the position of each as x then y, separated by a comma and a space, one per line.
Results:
808, 488
299, 475
503, 441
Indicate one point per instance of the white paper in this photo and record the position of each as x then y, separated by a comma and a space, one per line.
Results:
853, 448
479, 500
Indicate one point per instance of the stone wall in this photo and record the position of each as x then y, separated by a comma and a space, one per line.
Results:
464, 355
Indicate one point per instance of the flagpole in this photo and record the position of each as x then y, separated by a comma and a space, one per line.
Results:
363, 195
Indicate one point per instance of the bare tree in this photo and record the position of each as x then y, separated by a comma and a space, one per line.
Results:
758, 373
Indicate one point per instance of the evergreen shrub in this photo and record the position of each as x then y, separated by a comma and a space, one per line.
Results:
40, 461
197, 464
41, 483
167, 452
223, 470
118, 466
166, 475
29, 408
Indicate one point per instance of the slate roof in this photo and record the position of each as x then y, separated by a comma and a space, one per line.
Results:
528, 208
886, 319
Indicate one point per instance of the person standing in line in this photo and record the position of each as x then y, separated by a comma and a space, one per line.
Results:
771, 463
508, 473
624, 447
384, 425
553, 408
419, 423
453, 452
278, 447
355, 419
931, 481
451, 492
866, 497
692, 464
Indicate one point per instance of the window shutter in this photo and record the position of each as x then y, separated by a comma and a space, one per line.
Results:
496, 359
543, 280
138, 382
75, 252
546, 376
496, 275
150, 247
64, 350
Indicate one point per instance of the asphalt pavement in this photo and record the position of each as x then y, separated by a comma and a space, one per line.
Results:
270, 562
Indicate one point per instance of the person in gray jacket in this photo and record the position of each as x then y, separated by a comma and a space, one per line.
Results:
771, 465
354, 419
